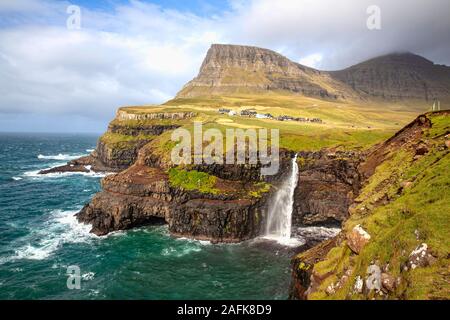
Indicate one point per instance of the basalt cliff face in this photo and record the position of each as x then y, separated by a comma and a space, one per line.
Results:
233, 210
232, 69
150, 189
328, 182
118, 148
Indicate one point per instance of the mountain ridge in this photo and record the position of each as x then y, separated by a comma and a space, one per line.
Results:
235, 69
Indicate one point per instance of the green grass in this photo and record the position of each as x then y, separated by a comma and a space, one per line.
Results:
192, 180
117, 141
347, 125
259, 189
115, 138
440, 125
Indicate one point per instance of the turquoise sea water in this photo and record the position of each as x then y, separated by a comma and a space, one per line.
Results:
40, 238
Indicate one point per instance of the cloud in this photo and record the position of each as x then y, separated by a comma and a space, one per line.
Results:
338, 30
313, 60
141, 53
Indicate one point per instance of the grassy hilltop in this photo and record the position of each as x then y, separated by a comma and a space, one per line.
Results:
346, 125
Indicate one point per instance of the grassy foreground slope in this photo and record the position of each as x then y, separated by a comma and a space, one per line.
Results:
404, 205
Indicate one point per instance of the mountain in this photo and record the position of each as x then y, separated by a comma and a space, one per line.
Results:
398, 76
229, 69
233, 69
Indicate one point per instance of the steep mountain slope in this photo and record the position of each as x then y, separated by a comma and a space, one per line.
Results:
398, 76
395, 243
229, 69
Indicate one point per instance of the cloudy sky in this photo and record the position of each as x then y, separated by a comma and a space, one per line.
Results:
60, 79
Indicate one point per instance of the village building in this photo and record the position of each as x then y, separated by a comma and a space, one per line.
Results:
264, 116
248, 113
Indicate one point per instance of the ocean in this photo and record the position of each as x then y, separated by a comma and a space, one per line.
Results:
40, 238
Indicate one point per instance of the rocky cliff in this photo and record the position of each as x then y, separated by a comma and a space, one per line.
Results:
117, 149
232, 69
229, 206
217, 202
327, 184
394, 244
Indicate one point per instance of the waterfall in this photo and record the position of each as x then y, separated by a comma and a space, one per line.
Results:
279, 220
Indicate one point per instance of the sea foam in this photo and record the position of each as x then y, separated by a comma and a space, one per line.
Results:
60, 156
60, 227
35, 173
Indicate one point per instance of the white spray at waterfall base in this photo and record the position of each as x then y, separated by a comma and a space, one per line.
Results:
279, 219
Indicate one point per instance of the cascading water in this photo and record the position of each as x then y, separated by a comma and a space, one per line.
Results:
279, 220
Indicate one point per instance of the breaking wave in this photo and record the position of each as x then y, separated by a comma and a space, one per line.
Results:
61, 227
60, 156
35, 174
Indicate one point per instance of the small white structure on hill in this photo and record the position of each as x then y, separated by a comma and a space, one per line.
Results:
436, 105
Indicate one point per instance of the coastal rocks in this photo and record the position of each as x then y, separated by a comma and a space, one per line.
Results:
326, 187
143, 195
304, 281
217, 220
66, 168
107, 212
357, 239
119, 147
105, 158
85, 164
124, 203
